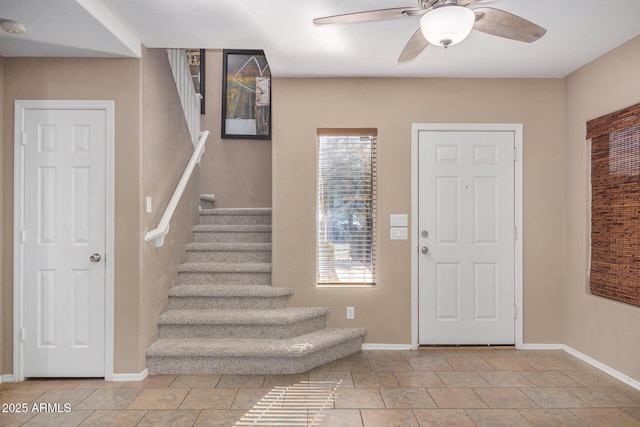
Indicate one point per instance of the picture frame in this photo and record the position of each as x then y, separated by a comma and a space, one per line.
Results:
246, 95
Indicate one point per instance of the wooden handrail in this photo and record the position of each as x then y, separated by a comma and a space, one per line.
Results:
159, 232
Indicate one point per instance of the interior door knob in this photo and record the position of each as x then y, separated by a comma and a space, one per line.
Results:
424, 250
95, 258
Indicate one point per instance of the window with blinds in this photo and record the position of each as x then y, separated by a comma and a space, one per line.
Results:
615, 205
346, 207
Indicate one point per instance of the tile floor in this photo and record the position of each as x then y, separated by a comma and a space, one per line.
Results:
465, 387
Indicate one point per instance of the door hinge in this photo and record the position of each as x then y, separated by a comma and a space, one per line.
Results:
515, 154
515, 311
23, 236
515, 233
23, 334
23, 138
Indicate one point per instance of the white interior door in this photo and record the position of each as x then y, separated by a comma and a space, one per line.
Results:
466, 281
63, 274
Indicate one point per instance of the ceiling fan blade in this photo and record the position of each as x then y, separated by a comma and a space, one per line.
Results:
504, 24
468, 2
416, 44
371, 15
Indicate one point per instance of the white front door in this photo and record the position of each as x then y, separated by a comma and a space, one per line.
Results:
63, 242
466, 279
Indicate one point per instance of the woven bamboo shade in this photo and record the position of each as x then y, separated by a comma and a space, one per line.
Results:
615, 205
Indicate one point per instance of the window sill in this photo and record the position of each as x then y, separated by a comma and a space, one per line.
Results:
346, 285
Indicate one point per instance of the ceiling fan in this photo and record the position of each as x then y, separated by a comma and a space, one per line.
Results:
447, 22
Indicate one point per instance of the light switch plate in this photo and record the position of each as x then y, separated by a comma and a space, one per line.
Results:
399, 220
149, 208
399, 233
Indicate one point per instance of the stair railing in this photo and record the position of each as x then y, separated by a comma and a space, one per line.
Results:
162, 229
189, 99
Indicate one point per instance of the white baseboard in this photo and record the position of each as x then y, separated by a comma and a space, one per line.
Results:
374, 346
604, 368
130, 377
116, 377
368, 346
542, 347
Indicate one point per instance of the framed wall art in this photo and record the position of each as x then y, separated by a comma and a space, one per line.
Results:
246, 95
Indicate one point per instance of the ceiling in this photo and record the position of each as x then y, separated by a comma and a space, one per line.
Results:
578, 32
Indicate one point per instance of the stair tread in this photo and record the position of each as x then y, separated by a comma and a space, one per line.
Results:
236, 211
255, 347
279, 316
224, 267
232, 228
229, 247
228, 291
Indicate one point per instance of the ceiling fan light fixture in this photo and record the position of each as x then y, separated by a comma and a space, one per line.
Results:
447, 25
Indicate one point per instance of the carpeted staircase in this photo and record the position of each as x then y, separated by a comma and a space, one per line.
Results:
224, 316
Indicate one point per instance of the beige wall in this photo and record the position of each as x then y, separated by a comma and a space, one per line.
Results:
152, 147
300, 106
237, 171
1, 213
166, 150
109, 79
603, 329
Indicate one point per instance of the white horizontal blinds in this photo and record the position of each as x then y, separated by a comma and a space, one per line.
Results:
346, 207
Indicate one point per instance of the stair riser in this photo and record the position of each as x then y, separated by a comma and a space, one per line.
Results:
229, 303
228, 256
197, 278
252, 364
207, 204
231, 237
288, 330
235, 219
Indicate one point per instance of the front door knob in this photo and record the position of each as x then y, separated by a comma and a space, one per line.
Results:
424, 250
95, 258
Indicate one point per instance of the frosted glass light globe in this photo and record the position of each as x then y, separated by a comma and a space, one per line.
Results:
447, 25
